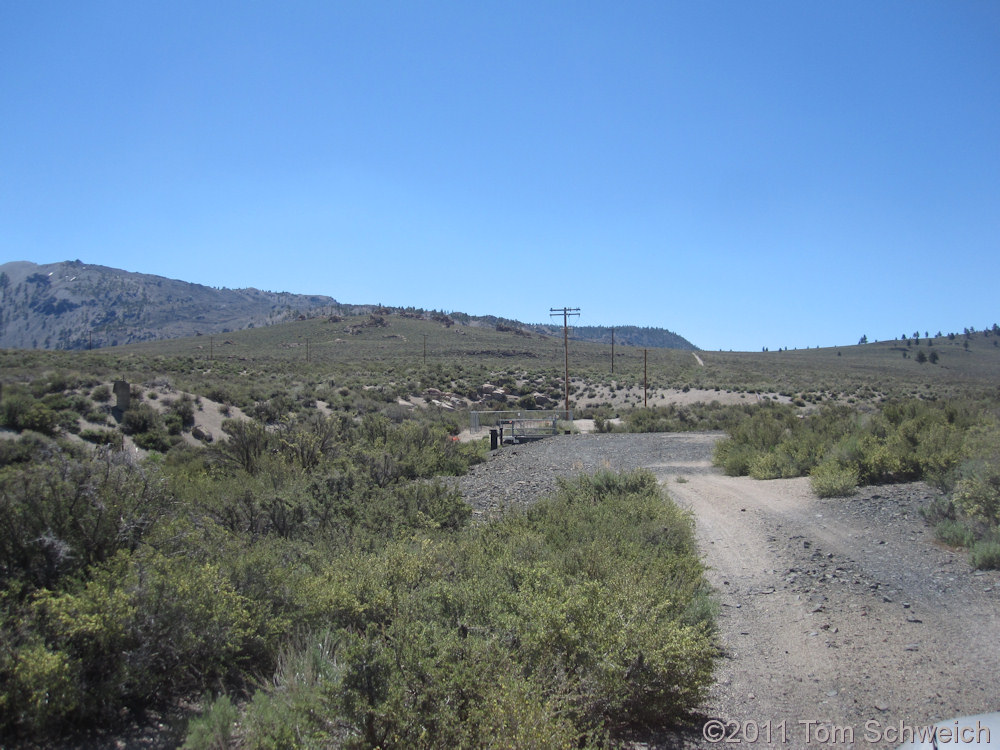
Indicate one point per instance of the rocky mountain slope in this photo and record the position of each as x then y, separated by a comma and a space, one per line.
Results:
74, 305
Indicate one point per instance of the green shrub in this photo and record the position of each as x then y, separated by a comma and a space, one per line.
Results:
13, 407
141, 418
40, 418
541, 629
61, 514
954, 533
734, 458
612, 542
431, 688
985, 555
154, 440
830, 479
28, 447
977, 490
146, 627
771, 465
246, 444
96, 417
674, 418
22, 412
907, 440
40, 688
307, 442
213, 730
173, 423
603, 424
101, 437
183, 410
57, 401
977, 494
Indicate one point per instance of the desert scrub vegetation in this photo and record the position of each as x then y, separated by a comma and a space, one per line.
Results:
969, 514
683, 418
50, 406
316, 567
899, 441
953, 444
542, 629
127, 584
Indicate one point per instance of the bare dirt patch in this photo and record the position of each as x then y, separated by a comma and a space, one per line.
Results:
208, 414
841, 612
633, 396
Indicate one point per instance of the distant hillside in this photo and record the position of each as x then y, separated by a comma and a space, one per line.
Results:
659, 338
75, 305
71, 304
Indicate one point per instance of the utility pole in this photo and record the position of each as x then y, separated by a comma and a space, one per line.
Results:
645, 377
565, 312
425, 350
211, 348
612, 351
307, 350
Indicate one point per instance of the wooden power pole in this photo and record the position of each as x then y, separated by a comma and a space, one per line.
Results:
565, 312
612, 351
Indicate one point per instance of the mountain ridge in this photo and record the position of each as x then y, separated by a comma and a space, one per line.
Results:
76, 305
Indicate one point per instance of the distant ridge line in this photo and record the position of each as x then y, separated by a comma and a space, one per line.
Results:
77, 305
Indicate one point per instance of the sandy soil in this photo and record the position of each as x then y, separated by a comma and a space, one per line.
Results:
664, 397
208, 418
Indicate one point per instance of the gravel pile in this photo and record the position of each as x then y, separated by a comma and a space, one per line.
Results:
518, 475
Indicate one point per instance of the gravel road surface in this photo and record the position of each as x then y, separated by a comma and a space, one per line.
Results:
841, 620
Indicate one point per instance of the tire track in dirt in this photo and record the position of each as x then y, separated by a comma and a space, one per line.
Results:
837, 612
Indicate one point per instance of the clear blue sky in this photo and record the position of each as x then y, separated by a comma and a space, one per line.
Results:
746, 174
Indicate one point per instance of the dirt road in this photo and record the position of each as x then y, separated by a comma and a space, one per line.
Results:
840, 619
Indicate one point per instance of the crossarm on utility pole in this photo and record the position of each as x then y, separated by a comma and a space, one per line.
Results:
565, 312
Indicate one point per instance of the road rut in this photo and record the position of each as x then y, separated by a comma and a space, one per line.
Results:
839, 618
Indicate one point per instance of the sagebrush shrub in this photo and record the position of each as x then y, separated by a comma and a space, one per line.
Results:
985, 555
146, 627
213, 730
954, 533
771, 465
541, 629
141, 418
830, 479
61, 515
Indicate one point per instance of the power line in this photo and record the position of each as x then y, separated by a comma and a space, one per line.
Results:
565, 312
645, 376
